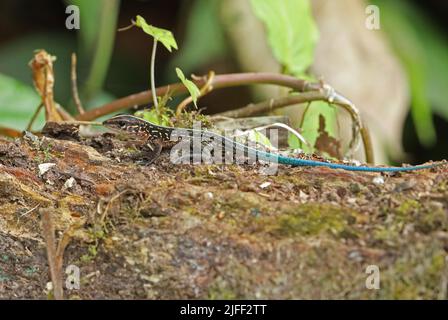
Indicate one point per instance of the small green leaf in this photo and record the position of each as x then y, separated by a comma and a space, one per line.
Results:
190, 85
153, 116
258, 137
162, 35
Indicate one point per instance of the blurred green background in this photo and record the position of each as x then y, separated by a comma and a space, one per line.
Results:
112, 65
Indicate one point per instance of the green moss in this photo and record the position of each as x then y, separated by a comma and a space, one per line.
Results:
428, 221
221, 293
410, 212
443, 186
96, 234
242, 202
417, 274
407, 207
234, 285
388, 235
315, 219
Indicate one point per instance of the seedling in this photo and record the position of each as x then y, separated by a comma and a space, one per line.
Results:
165, 37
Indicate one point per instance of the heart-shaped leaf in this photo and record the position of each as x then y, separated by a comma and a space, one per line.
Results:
162, 35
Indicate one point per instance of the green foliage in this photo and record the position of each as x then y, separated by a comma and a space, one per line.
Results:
292, 35
106, 24
164, 36
310, 125
17, 104
413, 39
88, 32
190, 85
202, 20
291, 30
260, 138
152, 115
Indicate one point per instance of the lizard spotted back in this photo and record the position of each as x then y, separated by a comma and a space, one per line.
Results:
164, 135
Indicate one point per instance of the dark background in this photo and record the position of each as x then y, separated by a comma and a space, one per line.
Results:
130, 66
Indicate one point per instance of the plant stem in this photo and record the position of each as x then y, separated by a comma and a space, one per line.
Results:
103, 50
153, 83
75, 94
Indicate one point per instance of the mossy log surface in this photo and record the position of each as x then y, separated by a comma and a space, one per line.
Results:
165, 231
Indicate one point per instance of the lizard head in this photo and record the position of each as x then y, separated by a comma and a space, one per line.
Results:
125, 123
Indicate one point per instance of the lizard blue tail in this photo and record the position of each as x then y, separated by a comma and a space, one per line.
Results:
312, 163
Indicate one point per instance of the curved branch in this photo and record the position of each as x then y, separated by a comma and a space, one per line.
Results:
219, 81
322, 95
313, 91
272, 104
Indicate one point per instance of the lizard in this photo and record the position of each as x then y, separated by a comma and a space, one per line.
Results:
159, 137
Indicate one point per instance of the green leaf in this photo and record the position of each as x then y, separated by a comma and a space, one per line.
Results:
399, 21
310, 128
291, 30
190, 85
162, 35
293, 35
17, 104
258, 137
153, 116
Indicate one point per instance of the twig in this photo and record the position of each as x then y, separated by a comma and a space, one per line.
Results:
325, 94
312, 91
75, 86
368, 146
33, 118
127, 27
29, 211
49, 236
307, 108
8, 132
219, 81
64, 114
56, 254
64, 242
272, 104
284, 126
208, 86
84, 123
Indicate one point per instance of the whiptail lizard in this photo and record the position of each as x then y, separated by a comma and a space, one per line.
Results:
161, 136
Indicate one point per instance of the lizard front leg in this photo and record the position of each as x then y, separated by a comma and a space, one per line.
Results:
150, 151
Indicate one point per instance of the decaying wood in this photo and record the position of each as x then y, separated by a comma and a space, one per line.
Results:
215, 231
